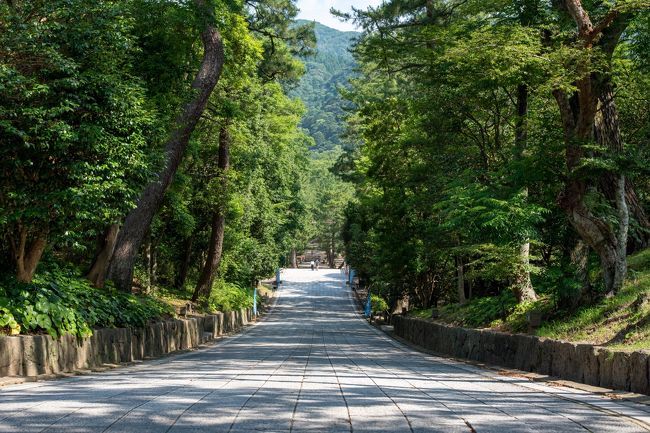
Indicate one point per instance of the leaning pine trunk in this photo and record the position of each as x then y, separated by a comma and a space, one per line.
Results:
139, 219
204, 285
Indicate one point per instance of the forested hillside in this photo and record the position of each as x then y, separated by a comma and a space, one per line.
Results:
330, 68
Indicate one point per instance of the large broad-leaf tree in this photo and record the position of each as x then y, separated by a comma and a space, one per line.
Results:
491, 134
73, 122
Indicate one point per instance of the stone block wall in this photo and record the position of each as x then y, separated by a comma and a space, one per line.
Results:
583, 363
35, 355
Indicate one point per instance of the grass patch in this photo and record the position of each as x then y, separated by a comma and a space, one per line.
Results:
421, 314
488, 312
224, 297
622, 321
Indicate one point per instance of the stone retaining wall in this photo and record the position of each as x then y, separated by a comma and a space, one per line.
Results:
576, 362
34, 355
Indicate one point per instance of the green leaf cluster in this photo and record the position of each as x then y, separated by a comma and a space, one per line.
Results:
58, 303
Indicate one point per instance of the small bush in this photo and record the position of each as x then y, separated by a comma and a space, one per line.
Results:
59, 303
229, 297
8, 324
378, 304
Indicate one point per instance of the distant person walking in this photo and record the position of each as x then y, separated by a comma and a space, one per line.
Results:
317, 263
312, 265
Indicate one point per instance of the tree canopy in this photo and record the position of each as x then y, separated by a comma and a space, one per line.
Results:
494, 146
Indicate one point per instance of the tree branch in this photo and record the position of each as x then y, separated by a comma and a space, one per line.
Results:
580, 16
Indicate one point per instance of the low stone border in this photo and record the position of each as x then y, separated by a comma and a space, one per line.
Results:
592, 365
42, 355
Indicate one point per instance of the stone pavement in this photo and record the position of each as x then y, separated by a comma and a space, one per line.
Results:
311, 366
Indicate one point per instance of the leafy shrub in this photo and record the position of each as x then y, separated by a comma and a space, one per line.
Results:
59, 303
229, 297
8, 324
378, 304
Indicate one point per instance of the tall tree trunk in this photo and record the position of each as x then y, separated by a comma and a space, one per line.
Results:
592, 108
97, 273
462, 299
139, 219
149, 262
432, 302
27, 253
522, 285
607, 241
580, 259
181, 276
608, 135
204, 285
607, 131
294, 259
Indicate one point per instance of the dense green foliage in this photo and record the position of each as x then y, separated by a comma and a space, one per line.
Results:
229, 297
59, 303
89, 94
472, 183
72, 119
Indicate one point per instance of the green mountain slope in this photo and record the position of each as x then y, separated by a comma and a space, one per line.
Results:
330, 68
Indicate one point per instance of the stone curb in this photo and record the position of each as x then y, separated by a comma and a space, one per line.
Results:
31, 358
618, 375
533, 377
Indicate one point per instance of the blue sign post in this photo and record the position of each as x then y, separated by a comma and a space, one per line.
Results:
368, 309
351, 277
255, 302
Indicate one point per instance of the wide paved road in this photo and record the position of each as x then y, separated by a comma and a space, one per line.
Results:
311, 366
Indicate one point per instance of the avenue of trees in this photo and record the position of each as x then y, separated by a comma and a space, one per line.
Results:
505, 148
494, 150
149, 143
